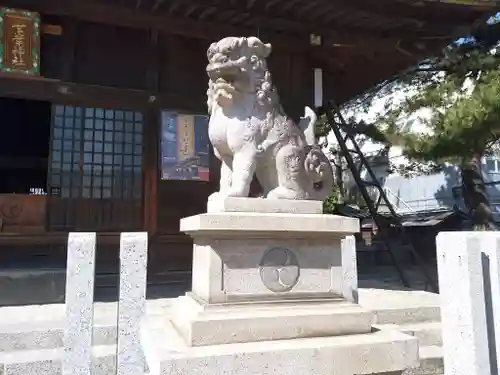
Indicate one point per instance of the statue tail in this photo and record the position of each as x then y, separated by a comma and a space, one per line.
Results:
308, 125
320, 173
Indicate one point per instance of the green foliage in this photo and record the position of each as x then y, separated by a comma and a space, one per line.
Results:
338, 198
330, 203
460, 91
461, 124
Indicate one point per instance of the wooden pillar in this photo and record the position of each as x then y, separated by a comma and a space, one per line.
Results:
151, 136
150, 166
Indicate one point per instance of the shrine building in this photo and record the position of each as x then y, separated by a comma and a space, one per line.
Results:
103, 105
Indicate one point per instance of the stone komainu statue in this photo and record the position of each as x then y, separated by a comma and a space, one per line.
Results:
250, 132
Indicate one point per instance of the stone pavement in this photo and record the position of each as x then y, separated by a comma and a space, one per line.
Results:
31, 336
30, 287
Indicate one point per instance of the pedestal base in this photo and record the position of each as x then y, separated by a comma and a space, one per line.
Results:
269, 297
372, 353
211, 324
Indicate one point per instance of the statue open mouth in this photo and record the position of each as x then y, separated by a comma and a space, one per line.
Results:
226, 82
226, 79
225, 88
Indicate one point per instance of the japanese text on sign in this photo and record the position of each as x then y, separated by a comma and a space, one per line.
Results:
19, 46
19, 42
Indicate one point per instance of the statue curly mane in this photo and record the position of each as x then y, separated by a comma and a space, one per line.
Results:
266, 93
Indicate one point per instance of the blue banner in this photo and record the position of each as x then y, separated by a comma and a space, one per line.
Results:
185, 151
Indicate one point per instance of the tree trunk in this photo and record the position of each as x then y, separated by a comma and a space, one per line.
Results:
474, 195
339, 176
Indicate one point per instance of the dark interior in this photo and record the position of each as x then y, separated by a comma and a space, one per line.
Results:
24, 146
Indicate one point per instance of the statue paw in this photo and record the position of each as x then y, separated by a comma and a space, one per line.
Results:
237, 193
216, 195
231, 193
283, 193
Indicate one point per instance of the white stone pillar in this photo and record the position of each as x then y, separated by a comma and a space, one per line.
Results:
132, 302
491, 277
463, 312
80, 273
349, 269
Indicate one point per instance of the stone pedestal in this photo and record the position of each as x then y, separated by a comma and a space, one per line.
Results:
268, 298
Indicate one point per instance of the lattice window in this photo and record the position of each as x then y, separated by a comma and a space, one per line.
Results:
96, 153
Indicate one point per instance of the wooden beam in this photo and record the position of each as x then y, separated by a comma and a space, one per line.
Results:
190, 10
430, 12
135, 18
265, 17
174, 4
359, 79
207, 12
157, 4
250, 4
56, 91
344, 84
52, 29
271, 3
451, 16
289, 5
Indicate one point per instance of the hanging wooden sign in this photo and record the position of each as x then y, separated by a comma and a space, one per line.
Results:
19, 42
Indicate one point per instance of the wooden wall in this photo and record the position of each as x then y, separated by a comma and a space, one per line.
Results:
124, 58
119, 57
99, 57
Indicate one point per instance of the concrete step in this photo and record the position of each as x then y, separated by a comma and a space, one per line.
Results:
431, 361
428, 333
407, 315
430, 342
33, 285
48, 335
48, 361
42, 326
401, 306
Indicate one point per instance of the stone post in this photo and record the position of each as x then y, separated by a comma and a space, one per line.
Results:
132, 302
350, 269
80, 274
469, 286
